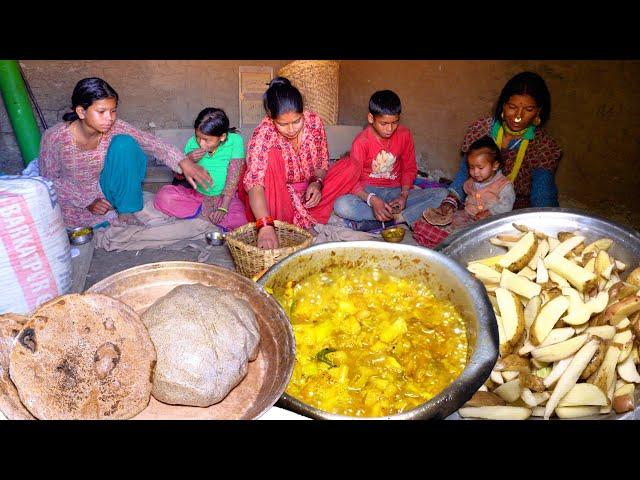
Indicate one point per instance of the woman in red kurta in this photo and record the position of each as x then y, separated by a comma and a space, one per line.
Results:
287, 176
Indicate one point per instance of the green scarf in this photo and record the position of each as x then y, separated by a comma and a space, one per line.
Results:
497, 133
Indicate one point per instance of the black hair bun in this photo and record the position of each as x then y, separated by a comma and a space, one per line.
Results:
279, 81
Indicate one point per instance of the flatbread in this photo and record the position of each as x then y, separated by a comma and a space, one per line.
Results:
205, 337
10, 405
434, 217
83, 356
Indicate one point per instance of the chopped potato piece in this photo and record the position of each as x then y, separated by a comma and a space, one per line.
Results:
577, 276
577, 355
584, 394
520, 254
512, 314
496, 413
547, 318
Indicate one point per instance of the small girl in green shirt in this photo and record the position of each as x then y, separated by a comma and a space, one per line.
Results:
220, 151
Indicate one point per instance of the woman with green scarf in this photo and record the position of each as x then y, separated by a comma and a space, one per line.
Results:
530, 155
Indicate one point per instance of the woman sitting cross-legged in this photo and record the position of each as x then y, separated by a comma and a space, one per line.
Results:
287, 176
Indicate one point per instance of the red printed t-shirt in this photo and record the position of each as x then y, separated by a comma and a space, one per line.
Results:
385, 162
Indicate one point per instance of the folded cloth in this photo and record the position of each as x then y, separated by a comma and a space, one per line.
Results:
428, 235
158, 231
336, 233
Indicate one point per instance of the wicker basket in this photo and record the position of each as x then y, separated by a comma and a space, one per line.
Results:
317, 81
250, 259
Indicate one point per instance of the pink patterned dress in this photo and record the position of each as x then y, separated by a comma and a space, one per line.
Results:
75, 173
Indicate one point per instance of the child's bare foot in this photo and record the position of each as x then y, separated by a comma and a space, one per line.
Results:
128, 219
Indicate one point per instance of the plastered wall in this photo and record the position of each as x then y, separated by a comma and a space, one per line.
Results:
595, 115
153, 93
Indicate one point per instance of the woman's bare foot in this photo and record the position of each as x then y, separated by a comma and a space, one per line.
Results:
128, 219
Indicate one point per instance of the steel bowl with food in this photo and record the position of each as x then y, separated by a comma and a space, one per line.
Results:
267, 376
482, 241
393, 234
444, 278
80, 235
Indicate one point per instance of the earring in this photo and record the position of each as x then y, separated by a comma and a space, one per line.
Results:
502, 115
536, 121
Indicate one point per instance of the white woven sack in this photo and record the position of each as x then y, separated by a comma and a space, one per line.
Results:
35, 255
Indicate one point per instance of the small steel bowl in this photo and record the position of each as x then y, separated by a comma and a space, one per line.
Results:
393, 234
80, 239
214, 238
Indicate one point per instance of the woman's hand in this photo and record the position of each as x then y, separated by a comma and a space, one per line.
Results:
218, 215
267, 238
313, 195
99, 206
195, 173
381, 209
197, 154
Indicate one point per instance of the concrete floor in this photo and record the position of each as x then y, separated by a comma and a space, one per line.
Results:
104, 263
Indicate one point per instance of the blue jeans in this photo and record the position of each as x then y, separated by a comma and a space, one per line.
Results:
354, 208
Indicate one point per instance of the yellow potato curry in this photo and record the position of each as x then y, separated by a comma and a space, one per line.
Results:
369, 343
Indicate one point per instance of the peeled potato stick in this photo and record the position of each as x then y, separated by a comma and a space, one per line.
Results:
569, 244
560, 350
540, 253
496, 413
581, 324
571, 375
577, 412
628, 372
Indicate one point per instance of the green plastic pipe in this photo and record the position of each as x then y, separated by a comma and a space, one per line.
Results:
16, 101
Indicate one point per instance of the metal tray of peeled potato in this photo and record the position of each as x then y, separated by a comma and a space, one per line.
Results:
565, 286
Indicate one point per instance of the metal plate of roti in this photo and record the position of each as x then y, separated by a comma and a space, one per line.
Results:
268, 375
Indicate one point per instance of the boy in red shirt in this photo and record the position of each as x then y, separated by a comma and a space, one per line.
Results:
385, 153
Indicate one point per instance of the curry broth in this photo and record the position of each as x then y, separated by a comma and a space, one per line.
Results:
370, 343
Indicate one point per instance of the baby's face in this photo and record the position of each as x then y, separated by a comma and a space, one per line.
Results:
481, 166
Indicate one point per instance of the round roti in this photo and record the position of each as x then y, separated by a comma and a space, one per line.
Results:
10, 404
434, 217
83, 356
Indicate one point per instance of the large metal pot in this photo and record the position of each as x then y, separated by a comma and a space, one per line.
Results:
473, 243
445, 277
